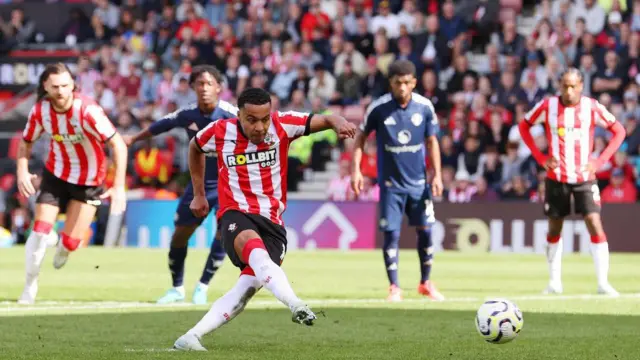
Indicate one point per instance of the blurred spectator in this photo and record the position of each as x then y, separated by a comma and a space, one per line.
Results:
347, 87
509, 41
462, 191
340, 186
77, 29
483, 193
315, 20
452, 25
385, 20
620, 189
469, 164
19, 30
322, 84
515, 189
491, 167
610, 79
593, 14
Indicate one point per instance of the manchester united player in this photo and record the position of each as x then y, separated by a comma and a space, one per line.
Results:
74, 173
252, 161
570, 120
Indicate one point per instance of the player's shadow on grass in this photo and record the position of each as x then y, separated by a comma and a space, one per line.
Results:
340, 333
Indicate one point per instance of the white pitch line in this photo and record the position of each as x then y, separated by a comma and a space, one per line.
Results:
149, 350
71, 305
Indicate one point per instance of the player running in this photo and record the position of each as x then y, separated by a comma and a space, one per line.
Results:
74, 172
406, 126
252, 158
206, 81
570, 120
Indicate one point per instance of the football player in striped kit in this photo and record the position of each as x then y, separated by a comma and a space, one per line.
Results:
570, 120
74, 172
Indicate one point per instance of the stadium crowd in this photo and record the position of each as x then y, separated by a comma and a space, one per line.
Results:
480, 72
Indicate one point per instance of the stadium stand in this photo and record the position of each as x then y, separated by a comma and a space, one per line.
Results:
483, 63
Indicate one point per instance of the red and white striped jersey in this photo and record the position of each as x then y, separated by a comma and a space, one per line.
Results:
570, 133
76, 151
253, 178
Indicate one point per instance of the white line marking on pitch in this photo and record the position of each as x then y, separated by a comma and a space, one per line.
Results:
77, 305
148, 350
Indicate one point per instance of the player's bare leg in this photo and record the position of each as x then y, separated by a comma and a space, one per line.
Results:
79, 217
177, 255
600, 253
425, 254
40, 238
222, 311
554, 256
250, 247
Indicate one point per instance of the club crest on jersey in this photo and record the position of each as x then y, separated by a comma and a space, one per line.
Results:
264, 158
71, 138
416, 119
269, 139
404, 137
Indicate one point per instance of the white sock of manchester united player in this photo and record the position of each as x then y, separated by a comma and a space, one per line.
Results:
554, 259
600, 253
229, 305
271, 276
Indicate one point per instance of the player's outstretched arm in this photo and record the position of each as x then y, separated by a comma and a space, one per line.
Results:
117, 192
167, 123
340, 125
357, 181
197, 165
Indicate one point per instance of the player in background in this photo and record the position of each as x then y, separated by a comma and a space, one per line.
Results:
570, 120
74, 172
406, 126
252, 158
206, 81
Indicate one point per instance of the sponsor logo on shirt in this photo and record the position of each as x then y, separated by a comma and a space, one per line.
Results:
265, 158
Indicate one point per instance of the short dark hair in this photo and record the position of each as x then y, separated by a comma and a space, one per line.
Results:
572, 70
402, 68
202, 69
255, 96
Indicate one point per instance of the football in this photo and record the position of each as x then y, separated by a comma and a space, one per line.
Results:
499, 321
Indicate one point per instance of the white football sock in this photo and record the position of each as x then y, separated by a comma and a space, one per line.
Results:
600, 253
35, 249
228, 306
554, 259
273, 278
179, 289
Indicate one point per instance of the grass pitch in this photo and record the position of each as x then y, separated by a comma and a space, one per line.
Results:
100, 306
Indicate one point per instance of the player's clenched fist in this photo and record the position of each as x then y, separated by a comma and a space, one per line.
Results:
199, 206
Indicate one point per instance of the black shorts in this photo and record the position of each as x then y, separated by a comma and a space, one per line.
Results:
557, 203
57, 192
273, 235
